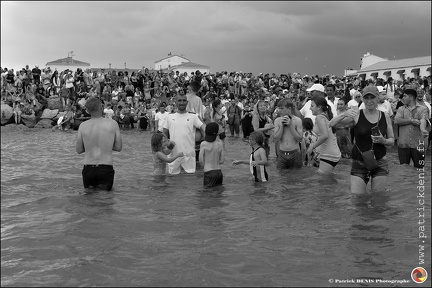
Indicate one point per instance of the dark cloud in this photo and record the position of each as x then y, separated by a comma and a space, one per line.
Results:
274, 36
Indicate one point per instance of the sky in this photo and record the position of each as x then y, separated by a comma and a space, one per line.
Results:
306, 37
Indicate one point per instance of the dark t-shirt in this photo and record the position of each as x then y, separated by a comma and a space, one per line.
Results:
36, 73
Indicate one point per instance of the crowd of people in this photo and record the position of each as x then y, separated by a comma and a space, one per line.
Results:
312, 120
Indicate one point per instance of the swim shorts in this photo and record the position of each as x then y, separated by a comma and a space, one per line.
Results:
289, 159
187, 162
98, 176
213, 178
359, 169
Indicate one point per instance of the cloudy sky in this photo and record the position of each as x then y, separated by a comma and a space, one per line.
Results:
260, 36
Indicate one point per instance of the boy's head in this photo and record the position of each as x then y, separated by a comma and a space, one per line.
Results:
211, 132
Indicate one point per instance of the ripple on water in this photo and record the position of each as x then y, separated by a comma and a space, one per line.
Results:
165, 231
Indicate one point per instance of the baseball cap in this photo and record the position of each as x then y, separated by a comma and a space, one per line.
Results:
211, 132
316, 87
380, 89
371, 89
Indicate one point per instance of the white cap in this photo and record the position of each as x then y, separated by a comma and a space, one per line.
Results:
380, 89
316, 87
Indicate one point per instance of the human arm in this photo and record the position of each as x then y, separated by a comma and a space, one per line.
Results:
321, 123
166, 133
236, 162
389, 141
117, 138
346, 119
278, 132
399, 120
222, 155
79, 145
165, 158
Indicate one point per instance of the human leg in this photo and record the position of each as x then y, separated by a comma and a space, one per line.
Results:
404, 155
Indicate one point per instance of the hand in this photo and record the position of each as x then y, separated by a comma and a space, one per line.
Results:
180, 154
378, 139
236, 162
425, 133
415, 122
350, 113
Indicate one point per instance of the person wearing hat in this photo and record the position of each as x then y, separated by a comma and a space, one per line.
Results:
315, 90
373, 131
383, 104
211, 156
411, 119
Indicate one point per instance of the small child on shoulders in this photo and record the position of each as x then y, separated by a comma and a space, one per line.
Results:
211, 155
258, 158
161, 147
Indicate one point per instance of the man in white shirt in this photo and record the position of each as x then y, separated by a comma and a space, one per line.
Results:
331, 98
180, 127
160, 118
316, 90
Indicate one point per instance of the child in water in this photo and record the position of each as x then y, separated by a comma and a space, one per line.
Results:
258, 158
161, 148
309, 138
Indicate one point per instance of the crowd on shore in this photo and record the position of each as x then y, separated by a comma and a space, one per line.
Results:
138, 100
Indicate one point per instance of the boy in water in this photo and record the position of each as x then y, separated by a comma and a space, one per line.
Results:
211, 155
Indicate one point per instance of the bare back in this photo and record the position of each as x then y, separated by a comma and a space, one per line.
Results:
211, 155
98, 138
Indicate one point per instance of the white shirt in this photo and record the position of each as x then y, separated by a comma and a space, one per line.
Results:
307, 113
182, 128
384, 107
161, 117
109, 113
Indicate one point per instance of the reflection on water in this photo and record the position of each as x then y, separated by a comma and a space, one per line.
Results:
298, 229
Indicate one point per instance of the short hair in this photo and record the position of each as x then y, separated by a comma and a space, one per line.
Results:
332, 86
344, 99
285, 102
411, 92
93, 104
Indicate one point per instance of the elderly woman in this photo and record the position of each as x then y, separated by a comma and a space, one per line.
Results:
373, 131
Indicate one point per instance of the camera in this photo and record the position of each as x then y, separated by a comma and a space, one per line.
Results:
375, 131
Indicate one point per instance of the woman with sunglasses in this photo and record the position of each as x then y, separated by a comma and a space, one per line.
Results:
364, 122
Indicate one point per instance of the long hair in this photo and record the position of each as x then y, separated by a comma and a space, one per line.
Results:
325, 107
258, 137
156, 142
214, 105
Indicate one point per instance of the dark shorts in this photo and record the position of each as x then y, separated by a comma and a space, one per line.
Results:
406, 154
98, 176
359, 169
332, 163
222, 135
213, 178
289, 159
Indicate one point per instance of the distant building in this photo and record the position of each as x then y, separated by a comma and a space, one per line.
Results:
67, 63
374, 67
181, 64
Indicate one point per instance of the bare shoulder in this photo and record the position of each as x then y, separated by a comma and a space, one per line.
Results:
297, 120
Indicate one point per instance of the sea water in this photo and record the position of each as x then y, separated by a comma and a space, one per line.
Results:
298, 229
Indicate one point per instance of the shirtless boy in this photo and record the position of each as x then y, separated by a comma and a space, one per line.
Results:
211, 156
98, 137
289, 133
